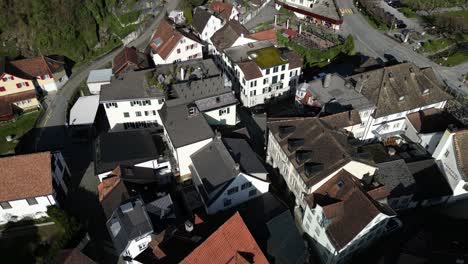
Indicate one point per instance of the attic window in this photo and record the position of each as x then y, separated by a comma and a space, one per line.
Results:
310, 168
157, 42
303, 155
295, 143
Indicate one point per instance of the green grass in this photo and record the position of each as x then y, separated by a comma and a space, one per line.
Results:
267, 57
130, 17
463, 13
22, 125
454, 59
21, 246
408, 12
374, 23
434, 45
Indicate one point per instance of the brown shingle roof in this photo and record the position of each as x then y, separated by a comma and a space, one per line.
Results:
231, 243
223, 9
250, 70
349, 208
294, 59
129, 58
460, 140
169, 38
385, 86
327, 149
24, 176
38, 66
228, 34
269, 34
432, 120
343, 119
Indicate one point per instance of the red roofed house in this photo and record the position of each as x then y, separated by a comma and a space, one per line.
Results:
342, 217
231, 243
29, 183
226, 10
129, 59
49, 73
17, 92
170, 44
269, 34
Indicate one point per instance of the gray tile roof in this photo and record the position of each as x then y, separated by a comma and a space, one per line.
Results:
214, 165
201, 16
338, 90
245, 156
228, 34
133, 85
397, 178
129, 221
200, 68
184, 129
214, 102
188, 92
399, 88
126, 148
103, 75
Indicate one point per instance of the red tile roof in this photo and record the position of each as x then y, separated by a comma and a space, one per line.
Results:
269, 34
231, 243
224, 9
25, 176
290, 33
109, 183
38, 66
128, 57
169, 38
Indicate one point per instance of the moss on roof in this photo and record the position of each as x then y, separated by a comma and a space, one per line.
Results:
267, 57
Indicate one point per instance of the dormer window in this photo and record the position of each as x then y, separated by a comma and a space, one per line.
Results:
285, 131
295, 143
303, 155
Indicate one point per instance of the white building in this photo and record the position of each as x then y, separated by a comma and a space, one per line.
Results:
205, 23
262, 71
83, 112
170, 44
132, 101
307, 153
98, 78
452, 157
186, 131
223, 182
177, 16
31, 183
383, 97
342, 219
138, 148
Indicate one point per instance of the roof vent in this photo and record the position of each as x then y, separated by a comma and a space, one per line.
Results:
303, 155
311, 168
127, 207
286, 130
295, 143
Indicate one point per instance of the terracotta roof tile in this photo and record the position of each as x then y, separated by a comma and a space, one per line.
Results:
223, 9
269, 34
231, 242
38, 66
109, 183
24, 176
168, 36
129, 58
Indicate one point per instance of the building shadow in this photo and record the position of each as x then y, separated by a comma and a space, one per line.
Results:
20, 242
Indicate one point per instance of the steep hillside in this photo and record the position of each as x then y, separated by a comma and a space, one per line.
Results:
78, 29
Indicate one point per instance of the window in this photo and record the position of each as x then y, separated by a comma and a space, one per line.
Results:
31, 201
142, 246
5, 205
154, 112
283, 67
307, 226
252, 192
233, 190
22, 84
246, 185
109, 105
126, 114
138, 113
317, 231
446, 153
146, 113
160, 101
224, 111
265, 81
267, 71
274, 80
227, 202
8, 78
178, 51
282, 77
2, 89
253, 93
309, 218
275, 69
243, 81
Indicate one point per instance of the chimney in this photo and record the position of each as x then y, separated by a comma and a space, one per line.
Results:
188, 226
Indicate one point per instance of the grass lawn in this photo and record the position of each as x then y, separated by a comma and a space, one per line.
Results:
22, 125
432, 46
463, 13
267, 57
19, 246
454, 59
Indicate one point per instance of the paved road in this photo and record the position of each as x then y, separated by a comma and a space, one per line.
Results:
55, 114
371, 42
267, 14
411, 23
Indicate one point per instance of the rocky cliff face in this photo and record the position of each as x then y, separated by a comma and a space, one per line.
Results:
78, 29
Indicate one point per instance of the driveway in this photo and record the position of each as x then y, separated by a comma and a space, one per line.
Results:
371, 42
267, 14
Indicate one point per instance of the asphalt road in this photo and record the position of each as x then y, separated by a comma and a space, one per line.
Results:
371, 42
55, 114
